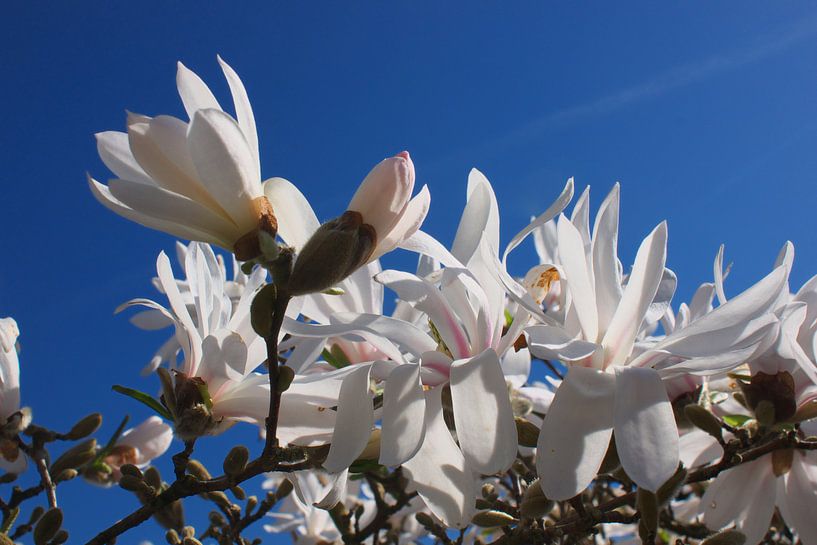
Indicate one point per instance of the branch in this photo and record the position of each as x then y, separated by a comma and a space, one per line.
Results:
278, 313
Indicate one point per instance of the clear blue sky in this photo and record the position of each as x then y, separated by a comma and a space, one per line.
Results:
706, 112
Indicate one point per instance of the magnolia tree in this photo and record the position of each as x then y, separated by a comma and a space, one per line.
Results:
653, 422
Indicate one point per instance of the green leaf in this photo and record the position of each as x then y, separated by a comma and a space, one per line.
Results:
736, 420
143, 398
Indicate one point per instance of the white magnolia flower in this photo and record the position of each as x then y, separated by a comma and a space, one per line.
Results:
611, 387
463, 346
197, 180
11, 419
138, 446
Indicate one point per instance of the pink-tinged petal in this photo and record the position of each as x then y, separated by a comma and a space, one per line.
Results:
171, 207
152, 438
114, 150
409, 223
554, 343
579, 277
553, 210
427, 298
439, 472
243, 110
637, 297
436, 368
193, 91
605, 258
646, 435
384, 194
403, 412
225, 165
482, 413
576, 432
354, 421
479, 220
796, 497
102, 194
423, 243
296, 219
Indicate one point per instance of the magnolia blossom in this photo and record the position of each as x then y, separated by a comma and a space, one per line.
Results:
380, 216
197, 180
612, 384
138, 446
12, 420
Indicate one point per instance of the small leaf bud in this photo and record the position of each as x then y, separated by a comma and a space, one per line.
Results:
48, 526
286, 375
85, 427
492, 519
172, 537
236, 460
75, 457
527, 432
534, 502
704, 420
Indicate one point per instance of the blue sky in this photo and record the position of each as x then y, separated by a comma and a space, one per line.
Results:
706, 112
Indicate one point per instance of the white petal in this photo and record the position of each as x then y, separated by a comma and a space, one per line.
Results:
605, 258
103, 195
579, 278
243, 110
637, 297
554, 343
516, 366
194, 92
115, 152
580, 217
718, 274
646, 435
296, 219
152, 438
754, 522
480, 218
336, 492
354, 422
438, 471
423, 243
403, 413
172, 207
482, 413
576, 432
225, 165
553, 210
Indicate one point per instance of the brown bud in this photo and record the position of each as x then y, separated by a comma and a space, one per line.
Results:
534, 502
765, 413
153, 478
236, 460
527, 432
782, 461
48, 526
425, 520
60, 538
65, 475
286, 375
647, 504
489, 492
670, 489
252, 502
172, 537
85, 427
704, 420
239, 493
261, 310
191, 541
197, 469
492, 519
130, 469
334, 251
75, 457
132, 484
284, 489
726, 537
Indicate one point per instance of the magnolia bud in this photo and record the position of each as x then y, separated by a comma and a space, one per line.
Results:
197, 469
48, 526
252, 502
334, 251
153, 478
704, 420
534, 502
726, 537
75, 457
777, 389
236, 460
670, 489
425, 520
764, 413
527, 432
492, 518
85, 427
60, 538
284, 489
285, 377
238, 492
647, 504
65, 475
130, 469
262, 308
172, 537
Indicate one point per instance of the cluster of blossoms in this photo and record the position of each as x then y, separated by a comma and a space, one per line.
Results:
573, 401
